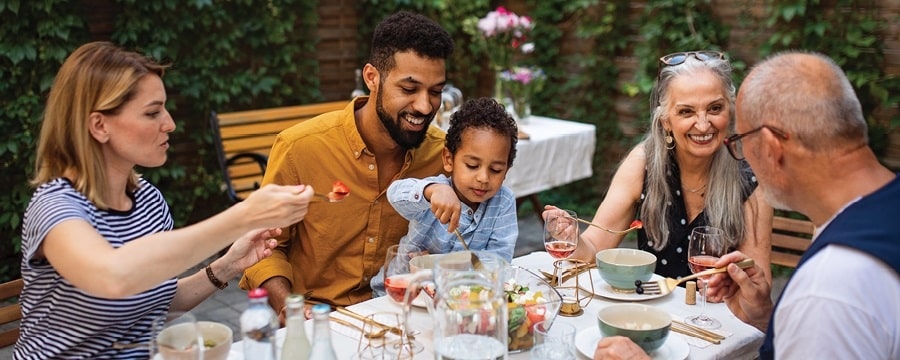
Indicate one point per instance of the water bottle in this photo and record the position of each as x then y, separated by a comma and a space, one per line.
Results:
321, 347
258, 325
358, 91
296, 344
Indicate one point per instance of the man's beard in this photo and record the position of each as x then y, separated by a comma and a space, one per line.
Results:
406, 139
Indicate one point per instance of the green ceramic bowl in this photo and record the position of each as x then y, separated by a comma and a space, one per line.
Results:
646, 325
620, 267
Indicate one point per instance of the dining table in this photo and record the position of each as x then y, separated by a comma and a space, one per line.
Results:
741, 341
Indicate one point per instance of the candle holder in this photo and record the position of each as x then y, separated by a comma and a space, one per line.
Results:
574, 297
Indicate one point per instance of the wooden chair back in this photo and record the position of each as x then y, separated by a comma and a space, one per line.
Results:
10, 312
790, 238
243, 140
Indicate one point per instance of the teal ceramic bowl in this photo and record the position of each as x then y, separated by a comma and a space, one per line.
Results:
620, 267
646, 325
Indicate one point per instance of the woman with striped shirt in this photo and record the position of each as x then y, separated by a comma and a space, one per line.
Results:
100, 256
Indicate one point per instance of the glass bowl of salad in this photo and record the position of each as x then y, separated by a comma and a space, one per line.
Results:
529, 299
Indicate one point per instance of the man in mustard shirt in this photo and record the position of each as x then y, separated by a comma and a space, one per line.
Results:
331, 255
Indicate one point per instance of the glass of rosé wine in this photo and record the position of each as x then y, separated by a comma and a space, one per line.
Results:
706, 245
397, 277
561, 233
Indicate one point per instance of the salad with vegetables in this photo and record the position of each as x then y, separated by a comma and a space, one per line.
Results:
526, 307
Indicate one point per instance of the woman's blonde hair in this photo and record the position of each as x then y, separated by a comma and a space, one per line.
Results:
726, 186
98, 76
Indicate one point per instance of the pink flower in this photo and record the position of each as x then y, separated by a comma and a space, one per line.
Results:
503, 34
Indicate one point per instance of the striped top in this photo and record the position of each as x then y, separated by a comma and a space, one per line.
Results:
61, 321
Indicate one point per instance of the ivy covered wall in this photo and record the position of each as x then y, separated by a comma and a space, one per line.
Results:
601, 57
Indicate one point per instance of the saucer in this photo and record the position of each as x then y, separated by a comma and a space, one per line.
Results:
675, 347
601, 288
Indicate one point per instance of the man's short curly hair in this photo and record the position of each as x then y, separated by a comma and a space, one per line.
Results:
482, 113
405, 31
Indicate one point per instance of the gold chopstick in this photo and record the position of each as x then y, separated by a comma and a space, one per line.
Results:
688, 332
699, 330
392, 329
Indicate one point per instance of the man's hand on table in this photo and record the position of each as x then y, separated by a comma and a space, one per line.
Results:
619, 348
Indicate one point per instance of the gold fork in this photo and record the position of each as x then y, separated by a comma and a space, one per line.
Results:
665, 286
637, 224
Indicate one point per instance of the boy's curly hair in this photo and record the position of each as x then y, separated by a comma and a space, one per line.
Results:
482, 113
403, 31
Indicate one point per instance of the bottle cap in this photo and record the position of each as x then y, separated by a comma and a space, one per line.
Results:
294, 299
321, 309
257, 293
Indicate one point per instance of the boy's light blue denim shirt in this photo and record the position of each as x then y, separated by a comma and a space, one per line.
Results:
493, 227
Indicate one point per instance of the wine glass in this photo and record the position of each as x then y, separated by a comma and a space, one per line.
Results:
176, 336
561, 233
707, 244
397, 276
561, 239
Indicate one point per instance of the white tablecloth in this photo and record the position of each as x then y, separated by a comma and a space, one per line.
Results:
558, 152
743, 343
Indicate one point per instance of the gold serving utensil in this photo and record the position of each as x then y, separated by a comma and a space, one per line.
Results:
393, 329
332, 196
665, 286
459, 236
637, 224
690, 330
375, 334
568, 274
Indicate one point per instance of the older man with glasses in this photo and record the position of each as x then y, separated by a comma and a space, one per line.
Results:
810, 154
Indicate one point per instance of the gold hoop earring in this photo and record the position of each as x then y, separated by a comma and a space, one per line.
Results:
670, 141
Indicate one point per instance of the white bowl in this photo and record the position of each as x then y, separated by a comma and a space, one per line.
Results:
217, 338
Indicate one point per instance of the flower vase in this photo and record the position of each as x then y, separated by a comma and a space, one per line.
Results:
522, 108
498, 85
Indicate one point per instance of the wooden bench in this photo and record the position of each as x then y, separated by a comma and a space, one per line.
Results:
10, 311
790, 238
243, 140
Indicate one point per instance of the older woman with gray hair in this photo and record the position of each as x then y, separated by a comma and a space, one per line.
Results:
680, 176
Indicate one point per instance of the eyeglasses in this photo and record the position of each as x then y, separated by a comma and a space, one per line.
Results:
736, 146
680, 57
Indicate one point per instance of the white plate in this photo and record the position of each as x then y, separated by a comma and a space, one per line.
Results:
675, 347
601, 288
420, 301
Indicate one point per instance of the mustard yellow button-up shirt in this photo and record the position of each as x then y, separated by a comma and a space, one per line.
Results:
332, 254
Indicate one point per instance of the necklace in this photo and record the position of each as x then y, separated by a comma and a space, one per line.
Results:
697, 189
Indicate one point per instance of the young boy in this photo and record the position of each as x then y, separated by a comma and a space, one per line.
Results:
479, 150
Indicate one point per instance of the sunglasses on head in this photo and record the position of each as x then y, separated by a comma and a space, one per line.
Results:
680, 57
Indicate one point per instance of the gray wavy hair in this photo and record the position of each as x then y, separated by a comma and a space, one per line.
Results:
723, 200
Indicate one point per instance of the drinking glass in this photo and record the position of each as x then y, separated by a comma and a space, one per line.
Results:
561, 233
706, 245
176, 336
397, 276
553, 341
